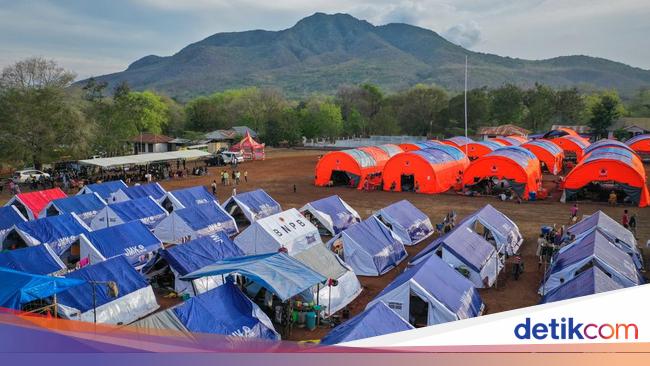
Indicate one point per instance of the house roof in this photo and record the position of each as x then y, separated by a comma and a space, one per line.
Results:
580, 129
625, 122
230, 134
151, 138
503, 130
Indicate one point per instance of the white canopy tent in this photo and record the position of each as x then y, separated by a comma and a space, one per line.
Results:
144, 159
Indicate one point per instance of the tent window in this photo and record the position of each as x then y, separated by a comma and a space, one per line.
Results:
167, 205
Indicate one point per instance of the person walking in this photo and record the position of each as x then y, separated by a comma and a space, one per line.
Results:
226, 175
246, 176
574, 212
625, 220
612, 198
237, 177
214, 188
632, 224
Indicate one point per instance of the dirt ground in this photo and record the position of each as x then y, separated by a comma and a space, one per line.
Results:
283, 168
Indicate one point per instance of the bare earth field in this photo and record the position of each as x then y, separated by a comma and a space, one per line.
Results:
283, 168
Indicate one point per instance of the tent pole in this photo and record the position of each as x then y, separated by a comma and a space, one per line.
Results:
317, 302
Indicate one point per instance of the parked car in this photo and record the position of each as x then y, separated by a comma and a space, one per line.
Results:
23, 176
229, 157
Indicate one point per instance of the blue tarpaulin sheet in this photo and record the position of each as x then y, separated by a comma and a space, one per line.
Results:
132, 240
201, 252
19, 288
37, 260
59, 231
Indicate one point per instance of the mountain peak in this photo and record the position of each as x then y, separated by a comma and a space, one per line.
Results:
339, 20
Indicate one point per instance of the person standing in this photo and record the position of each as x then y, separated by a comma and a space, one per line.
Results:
246, 176
574, 212
237, 177
541, 244
214, 188
625, 220
632, 224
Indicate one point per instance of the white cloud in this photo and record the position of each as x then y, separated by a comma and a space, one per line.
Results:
465, 34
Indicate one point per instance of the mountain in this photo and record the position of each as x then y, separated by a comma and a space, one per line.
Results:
322, 52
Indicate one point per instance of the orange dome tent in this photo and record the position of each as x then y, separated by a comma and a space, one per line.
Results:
457, 141
413, 146
515, 164
621, 168
572, 145
513, 140
606, 143
432, 170
640, 144
548, 153
476, 149
354, 166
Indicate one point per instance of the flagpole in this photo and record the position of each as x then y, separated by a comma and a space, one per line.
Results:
465, 103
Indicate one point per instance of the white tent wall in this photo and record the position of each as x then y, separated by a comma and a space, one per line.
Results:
173, 230
255, 240
490, 269
105, 217
321, 217
559, 278
88, 250
357, 258
337, 297
123, 310
509, 244
197, 286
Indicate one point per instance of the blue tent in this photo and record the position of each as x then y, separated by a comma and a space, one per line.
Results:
40, 260
277, 272
615, 232
449, 296
153, 190
132, 240
187, 197
105, 190
9, 217
224, 310
591, 281
378, 319
332, 214
497, 228
19, 288
593, 249
407, 221
60, 232
194, 222
463, 248
253, 205
196, 254
85, 206
145, 210
370, 248
135, 297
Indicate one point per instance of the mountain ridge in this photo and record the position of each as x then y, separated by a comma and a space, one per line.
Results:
321, 52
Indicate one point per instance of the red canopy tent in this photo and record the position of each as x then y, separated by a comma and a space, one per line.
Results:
251, 149
30, 204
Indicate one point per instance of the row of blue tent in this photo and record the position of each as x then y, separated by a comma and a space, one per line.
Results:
603, 257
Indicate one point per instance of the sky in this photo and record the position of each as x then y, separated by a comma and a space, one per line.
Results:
95, 37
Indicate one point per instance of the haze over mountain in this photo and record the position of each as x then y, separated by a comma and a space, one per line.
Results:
322, 52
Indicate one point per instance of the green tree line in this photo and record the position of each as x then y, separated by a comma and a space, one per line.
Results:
44, 118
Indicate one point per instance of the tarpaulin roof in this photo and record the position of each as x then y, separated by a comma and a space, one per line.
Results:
277, 272
520, 155
105, 189
639, 143
138, 209
596, 245
59, 231
203, 216
152, 189
377, 320
434, 156
504, 230
36, 201
225, 310
637, 138
9, 216
458, 140
322, 260
115, 269
404, 216
192, 196
444, 283
465, 244
390, 149
363, 158
546, 145
453, 151
143, 159
510, 140
370, 247
600, 220
333, 213
198, 253
591, 281
37, 260
606, 143
85, 206
19, 288
132, 240
255, 204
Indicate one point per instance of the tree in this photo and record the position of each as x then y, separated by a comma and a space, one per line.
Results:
541, 103
478, 109
507, 105
142, 112
321, 118
603, 114
39, 120
361, 103
418, 110
640, 105
569, 107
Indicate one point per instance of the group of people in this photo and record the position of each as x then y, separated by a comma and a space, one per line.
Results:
233, 178
550, 241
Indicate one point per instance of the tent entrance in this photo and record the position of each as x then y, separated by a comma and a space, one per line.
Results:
407, 182
21, 208
600, 192
236, 212
168, 205
13, 241
418, 311
342, 178
52, 211
72, 255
